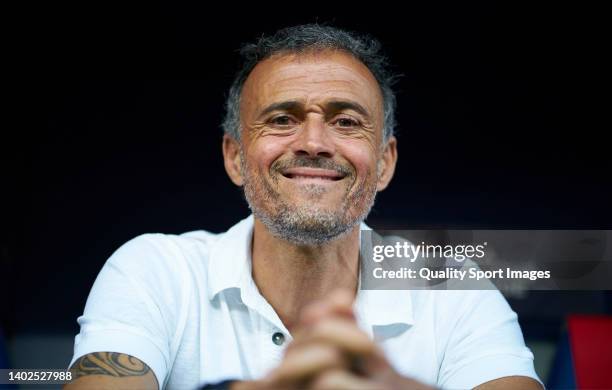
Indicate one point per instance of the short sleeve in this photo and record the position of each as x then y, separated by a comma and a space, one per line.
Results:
133, 305
486, 343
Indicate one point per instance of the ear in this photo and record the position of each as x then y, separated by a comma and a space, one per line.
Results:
387, 162
231, 159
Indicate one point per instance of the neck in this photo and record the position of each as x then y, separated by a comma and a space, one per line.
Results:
291, 276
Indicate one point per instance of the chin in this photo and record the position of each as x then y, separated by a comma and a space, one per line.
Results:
318, 206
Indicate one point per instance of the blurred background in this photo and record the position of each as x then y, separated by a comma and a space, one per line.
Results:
501, 126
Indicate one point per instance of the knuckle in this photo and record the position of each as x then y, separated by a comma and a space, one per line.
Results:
328, 380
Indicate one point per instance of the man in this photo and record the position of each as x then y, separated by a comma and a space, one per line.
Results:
274, 302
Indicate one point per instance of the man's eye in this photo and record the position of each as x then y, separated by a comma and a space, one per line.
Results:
281, 120
347, 122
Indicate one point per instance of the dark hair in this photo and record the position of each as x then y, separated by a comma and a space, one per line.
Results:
308, 37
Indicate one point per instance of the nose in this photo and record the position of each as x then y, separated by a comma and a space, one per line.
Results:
314, 139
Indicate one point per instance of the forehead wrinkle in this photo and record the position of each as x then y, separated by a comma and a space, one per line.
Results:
326, 104
306, 97
325, 66
297, 84
274, 80
354, 81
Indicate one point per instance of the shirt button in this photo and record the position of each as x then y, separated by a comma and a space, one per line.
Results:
278, 338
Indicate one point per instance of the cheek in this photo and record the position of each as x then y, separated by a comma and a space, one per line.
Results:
361, 156
262, 153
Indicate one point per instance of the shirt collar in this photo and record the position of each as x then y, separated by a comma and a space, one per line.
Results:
229, 262
382, 307
229, 266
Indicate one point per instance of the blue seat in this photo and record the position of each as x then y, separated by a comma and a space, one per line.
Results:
561, 374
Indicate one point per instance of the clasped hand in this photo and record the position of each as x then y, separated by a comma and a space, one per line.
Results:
329, 351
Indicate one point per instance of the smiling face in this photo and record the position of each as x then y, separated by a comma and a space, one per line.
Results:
310, 157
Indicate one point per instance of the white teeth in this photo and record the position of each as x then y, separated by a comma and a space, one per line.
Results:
312, 177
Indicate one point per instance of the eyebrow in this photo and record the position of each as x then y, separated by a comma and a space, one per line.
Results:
341, 105
334, 105
289, 105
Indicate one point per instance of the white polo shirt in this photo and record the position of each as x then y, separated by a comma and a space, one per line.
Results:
187, 306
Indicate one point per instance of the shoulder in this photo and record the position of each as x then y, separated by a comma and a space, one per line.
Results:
165, 251
475, 335
452, 308
161, 267
178, 261
160, 250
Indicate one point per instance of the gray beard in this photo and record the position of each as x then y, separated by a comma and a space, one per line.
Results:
304, 225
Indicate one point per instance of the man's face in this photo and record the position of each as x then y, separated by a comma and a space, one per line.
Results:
310, 149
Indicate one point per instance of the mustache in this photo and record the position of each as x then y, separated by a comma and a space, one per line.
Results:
281, 166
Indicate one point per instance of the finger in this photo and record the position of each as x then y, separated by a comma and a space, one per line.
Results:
302, 363
339, 333
341, 380
339, 303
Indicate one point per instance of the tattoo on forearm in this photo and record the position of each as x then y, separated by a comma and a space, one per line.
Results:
108, 363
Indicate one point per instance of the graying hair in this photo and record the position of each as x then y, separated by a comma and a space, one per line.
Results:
309, 37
